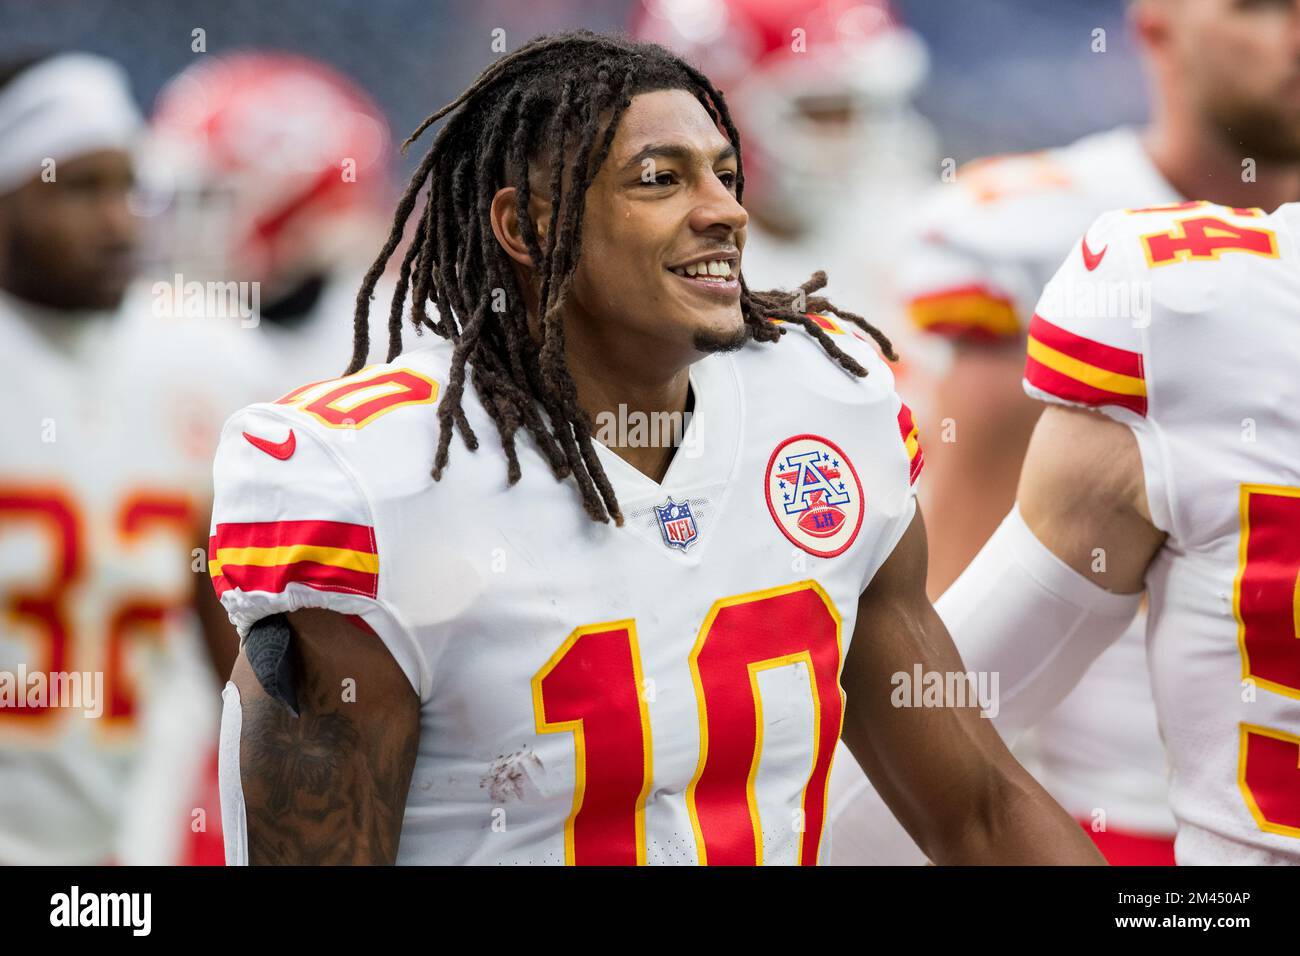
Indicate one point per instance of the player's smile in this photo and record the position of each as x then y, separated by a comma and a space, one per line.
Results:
715, 274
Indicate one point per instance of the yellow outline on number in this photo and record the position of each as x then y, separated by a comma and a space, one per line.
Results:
1263, 822
1178, 230
753, 666
306, 395
1283, 491
544, 726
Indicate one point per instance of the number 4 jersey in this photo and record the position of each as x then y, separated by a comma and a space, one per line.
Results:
1183, 322
662, 692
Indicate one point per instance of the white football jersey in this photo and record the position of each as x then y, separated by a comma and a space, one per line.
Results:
985, 244
984, 247
662, 692
104, 490
1181, 323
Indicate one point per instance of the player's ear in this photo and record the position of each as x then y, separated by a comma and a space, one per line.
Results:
505, 226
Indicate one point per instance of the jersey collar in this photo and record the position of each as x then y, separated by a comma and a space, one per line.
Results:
703, 465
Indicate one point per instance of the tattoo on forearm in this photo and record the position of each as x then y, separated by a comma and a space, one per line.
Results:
317, 789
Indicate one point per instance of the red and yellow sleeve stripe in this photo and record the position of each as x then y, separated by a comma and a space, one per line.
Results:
911, 441
826, 323
269, 555
965, 312
1080, 370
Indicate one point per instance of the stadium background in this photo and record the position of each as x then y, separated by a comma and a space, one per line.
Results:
1005, 74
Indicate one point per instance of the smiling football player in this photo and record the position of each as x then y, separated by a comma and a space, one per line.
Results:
568, 652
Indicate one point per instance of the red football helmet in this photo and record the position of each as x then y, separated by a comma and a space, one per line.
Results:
275, 162
820, 90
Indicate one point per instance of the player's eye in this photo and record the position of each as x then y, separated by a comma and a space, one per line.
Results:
659, 179
728, 178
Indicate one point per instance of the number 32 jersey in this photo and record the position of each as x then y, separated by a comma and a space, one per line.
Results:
662, 692
1183, 323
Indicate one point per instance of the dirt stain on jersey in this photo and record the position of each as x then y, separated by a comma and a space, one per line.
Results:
509, 773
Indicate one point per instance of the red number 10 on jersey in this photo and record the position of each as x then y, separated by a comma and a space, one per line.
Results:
593, 688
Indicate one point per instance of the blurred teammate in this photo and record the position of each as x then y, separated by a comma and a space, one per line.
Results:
1225, 126
104, 487
567, 650
280, 169
1166, 351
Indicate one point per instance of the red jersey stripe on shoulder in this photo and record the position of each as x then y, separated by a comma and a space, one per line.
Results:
957, 331
272, 534
321, 577
971, 311
1077, 369
1075, 390
1106, 357
910, 434
267, 555
825, 322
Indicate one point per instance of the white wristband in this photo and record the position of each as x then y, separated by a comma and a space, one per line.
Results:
1021, 613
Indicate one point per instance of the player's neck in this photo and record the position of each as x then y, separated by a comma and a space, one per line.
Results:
1200, 164
613, 392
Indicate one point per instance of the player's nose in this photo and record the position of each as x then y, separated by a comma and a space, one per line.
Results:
718, 210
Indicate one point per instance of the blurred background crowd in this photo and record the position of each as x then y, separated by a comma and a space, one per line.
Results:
1004, 74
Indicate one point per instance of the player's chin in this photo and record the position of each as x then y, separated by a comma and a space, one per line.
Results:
709, 311
721, 332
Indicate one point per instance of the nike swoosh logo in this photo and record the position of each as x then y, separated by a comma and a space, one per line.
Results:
1092, 259
281, 449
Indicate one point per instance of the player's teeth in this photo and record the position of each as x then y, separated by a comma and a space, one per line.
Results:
716, 268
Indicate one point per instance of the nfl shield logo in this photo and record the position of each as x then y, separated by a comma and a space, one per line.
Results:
677, 524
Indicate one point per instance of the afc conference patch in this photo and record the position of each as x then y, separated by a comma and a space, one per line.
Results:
677, 524
814, 495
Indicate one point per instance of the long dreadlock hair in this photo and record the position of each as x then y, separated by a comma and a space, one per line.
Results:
567, 91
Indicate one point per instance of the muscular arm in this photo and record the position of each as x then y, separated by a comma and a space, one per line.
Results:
1082, 489
328, 786
943, 771
970, 482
